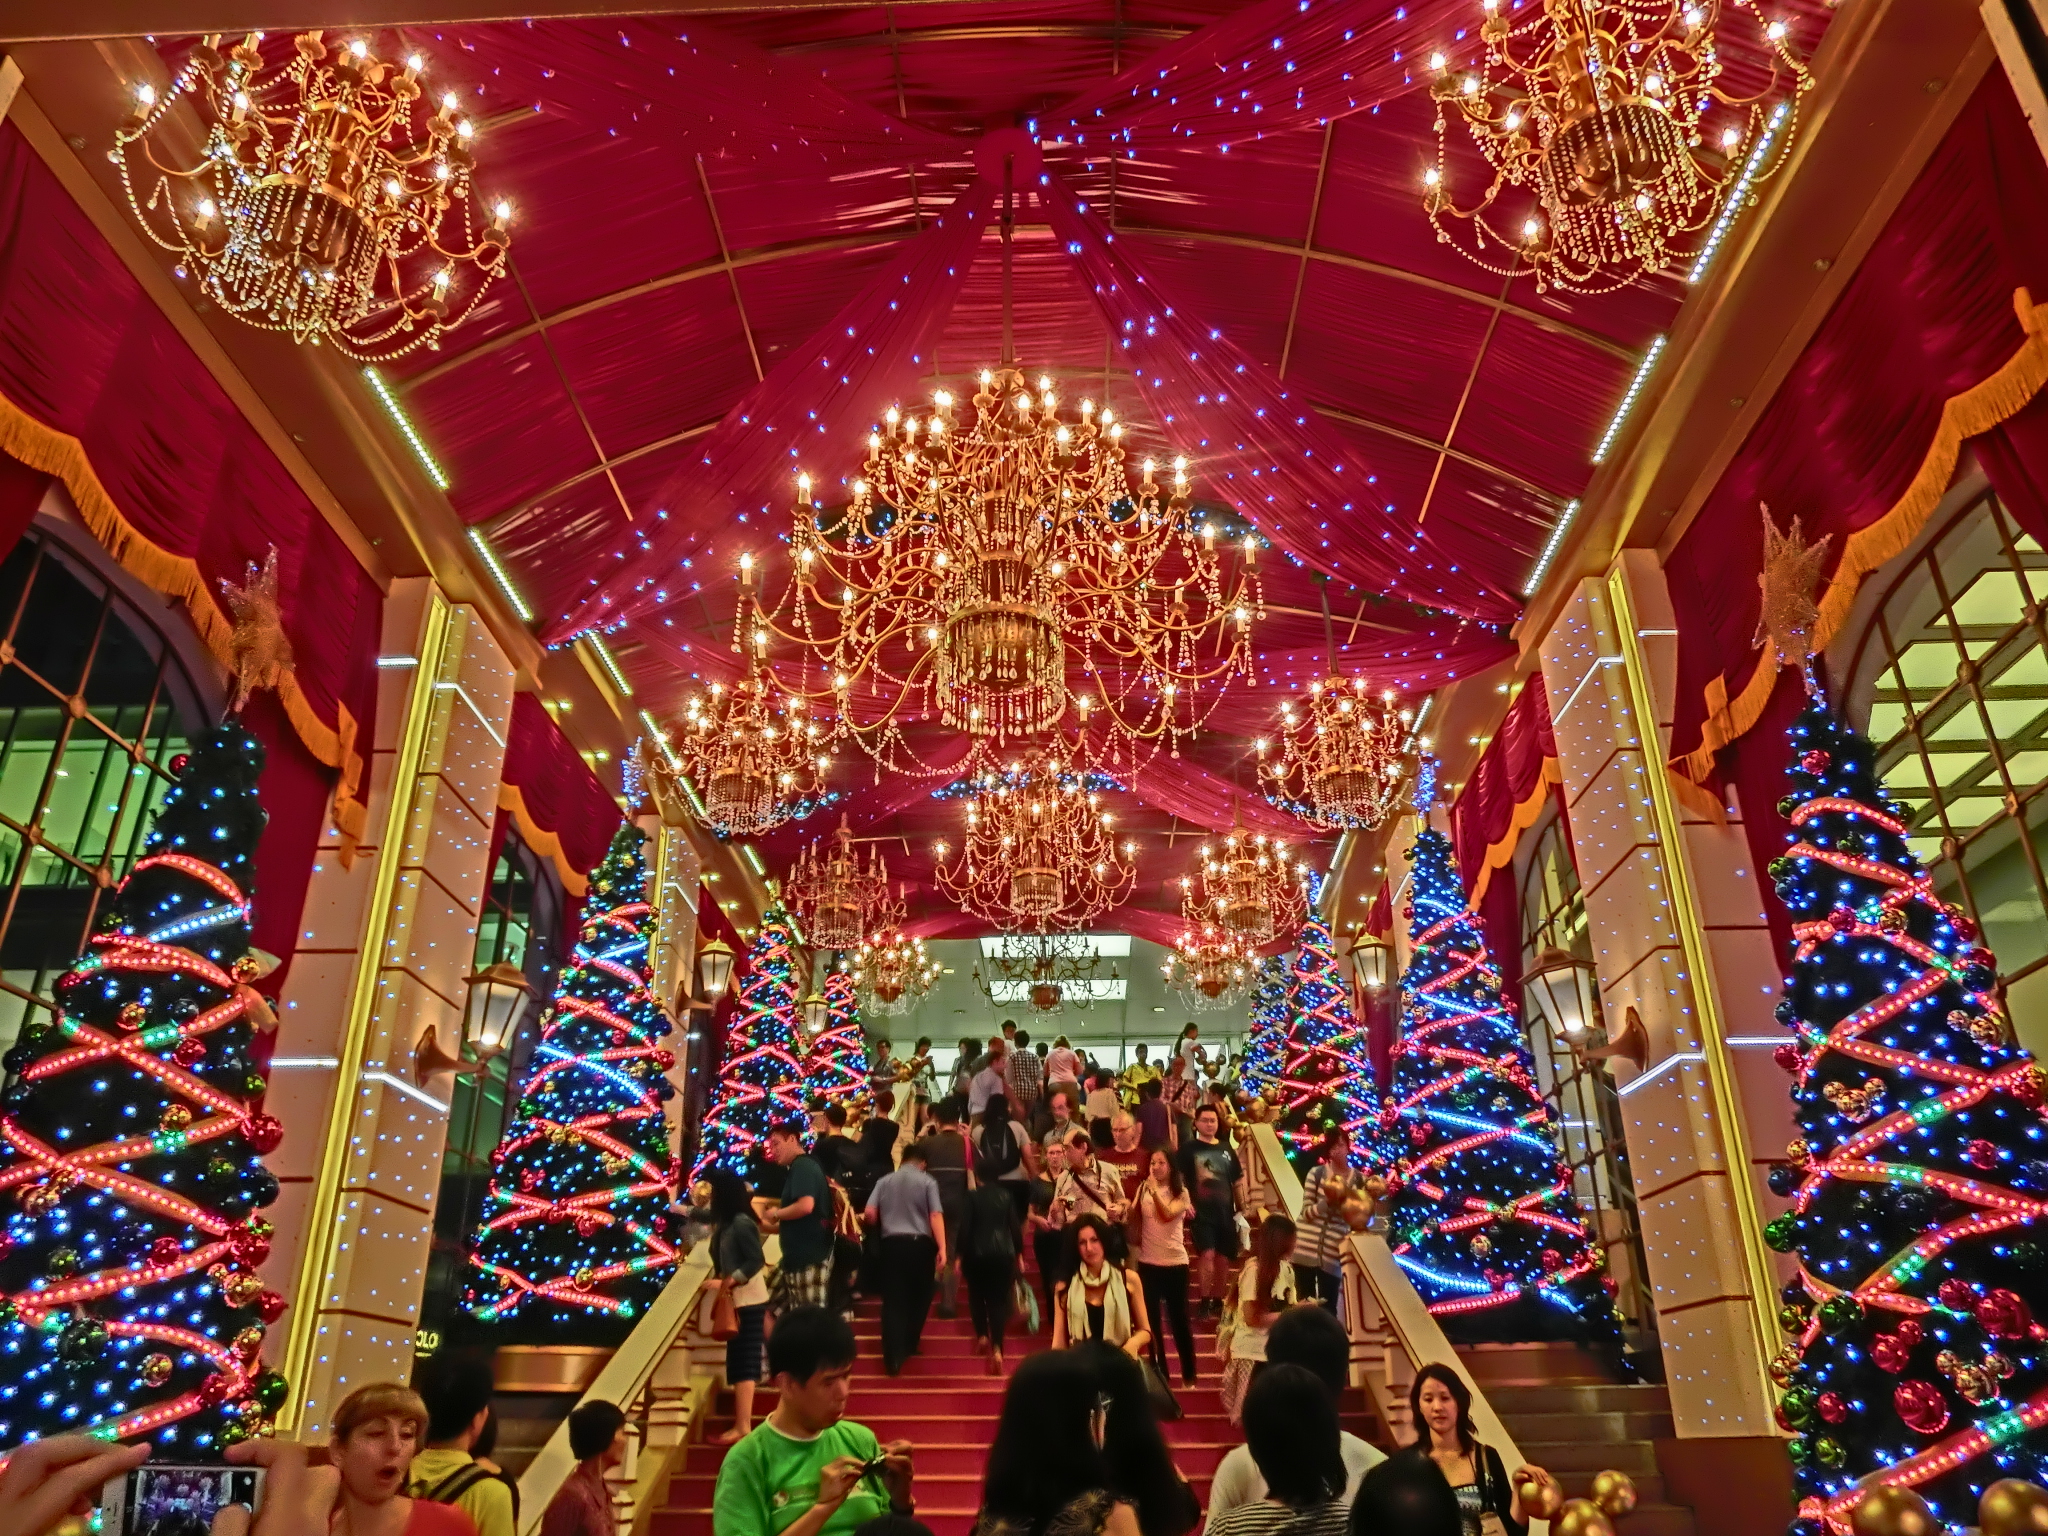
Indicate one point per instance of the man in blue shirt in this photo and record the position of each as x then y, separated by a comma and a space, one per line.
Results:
803, 1218
906, 1209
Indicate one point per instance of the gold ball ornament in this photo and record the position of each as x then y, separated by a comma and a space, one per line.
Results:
1887, 1511
1614, 1492
1542, 1498
2013, 1508
1581, 1517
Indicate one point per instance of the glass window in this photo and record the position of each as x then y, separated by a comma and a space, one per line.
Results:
1589, 1124
94, 704
1950, 678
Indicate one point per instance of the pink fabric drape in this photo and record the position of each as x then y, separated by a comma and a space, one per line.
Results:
1507, 774
560, 793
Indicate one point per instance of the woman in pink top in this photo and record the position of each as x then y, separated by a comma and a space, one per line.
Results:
1063, 1065
1162, 1207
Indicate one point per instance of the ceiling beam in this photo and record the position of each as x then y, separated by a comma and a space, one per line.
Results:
52, 21
604, 467
1352, 418
1093, 32
1308, 244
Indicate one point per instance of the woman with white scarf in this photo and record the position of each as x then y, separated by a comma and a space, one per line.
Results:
1103, 1299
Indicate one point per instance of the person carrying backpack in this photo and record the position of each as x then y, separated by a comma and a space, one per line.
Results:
993, 1238
457, 1391
999, 1147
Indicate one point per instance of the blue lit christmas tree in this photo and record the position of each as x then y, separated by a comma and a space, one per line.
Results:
1324, 1080
577, 1227
1483, 1218
132, 1163
761, 1079
1920, 1177
1268, 1029
836, 1068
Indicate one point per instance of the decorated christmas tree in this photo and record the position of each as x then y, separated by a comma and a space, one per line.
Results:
1919, 1180
577, 1226
132, 1164
1323, 1080
1482, 1217
761, 1078
837, 1066
1268, 1030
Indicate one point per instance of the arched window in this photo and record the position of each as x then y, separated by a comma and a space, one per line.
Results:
95, 702
1949, 675
1589, 1121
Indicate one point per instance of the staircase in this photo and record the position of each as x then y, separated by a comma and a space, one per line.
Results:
1568, 1415
946, 1406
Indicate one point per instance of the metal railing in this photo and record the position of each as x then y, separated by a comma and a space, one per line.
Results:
1392, 1332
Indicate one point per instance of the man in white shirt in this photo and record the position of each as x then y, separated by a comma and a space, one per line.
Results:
1310, 1336
989, 1080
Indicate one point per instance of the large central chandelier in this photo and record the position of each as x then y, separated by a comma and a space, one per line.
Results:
1343, 759
1617, 116
1039, 851
327, 200
893, 973
840, 899
994, 576
1050, 971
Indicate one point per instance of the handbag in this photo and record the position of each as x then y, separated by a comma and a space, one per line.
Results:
1027, 1304
725, 1315
1164, 1403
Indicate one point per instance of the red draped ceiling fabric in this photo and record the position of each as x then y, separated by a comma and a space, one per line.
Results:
561, 810
98, 389
1926, 348
1516, 780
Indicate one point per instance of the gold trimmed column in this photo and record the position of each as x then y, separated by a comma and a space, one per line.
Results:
1674, 917
385, 946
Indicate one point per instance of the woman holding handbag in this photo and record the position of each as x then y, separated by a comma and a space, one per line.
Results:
737, 1294
1157, 1215
1489, 1501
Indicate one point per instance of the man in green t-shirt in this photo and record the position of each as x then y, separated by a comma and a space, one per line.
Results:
803, 1218
806, 1470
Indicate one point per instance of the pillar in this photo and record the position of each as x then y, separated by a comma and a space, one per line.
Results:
1680, 944
384, 949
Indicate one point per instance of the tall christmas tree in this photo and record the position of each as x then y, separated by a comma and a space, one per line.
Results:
837, 1067
761, 1079
1919, 1181
577, 1226
132, 1162
1268, 1031
1483, 1217
1323, 1080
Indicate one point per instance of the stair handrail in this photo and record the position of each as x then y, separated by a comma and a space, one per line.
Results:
1392, 1331
624, 1380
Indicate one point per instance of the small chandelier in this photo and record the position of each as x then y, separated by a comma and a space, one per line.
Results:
1342, 761
1615, 115
1248, 886
893, 973
326, 201
840, 900
1040, 852
759, 756
1208, 966
1051, 971
974, 569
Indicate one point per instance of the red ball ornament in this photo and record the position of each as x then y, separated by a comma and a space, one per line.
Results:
2005, 1314
665, 1059
587, 1224
529, 1176
251, 1249
1831, 1407
1911, 1331
1964, 925
264, 1132
270, 1306
1789, 1057
1891, 1353
1957, 1296
188, 1051
1981, 1153
1610, 1285
1921, 1407
179, 761
1979, 955
1841, 919
1497, 1279
165, 1250
1551, 1260
214, 1390
1418, 1134
2028, 1091
1815, 761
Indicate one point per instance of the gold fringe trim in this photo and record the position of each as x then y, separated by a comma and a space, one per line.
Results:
27, 440
1501, 853
543, 842
1975, 411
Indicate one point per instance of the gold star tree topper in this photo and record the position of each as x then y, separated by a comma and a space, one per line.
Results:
1791, 573
259, 651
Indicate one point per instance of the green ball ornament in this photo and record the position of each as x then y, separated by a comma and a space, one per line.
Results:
1800, 1450
272, 1390
255, 1085
220, 1170
1841, 1314
1797, 1406
234, 1432
1791, 1319
1781, 1233
1829, 1452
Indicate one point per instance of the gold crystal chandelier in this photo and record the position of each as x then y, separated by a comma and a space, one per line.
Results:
1248, 886
840, 899
325, 200
893, 973
1039, 852
1342, 759
756, 756
1616, 116
1000, 576
1208, 967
